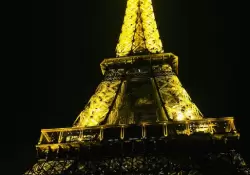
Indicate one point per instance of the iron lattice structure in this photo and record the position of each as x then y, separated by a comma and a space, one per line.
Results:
139, 30
140, 120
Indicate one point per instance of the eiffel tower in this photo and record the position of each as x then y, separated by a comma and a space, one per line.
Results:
140, 120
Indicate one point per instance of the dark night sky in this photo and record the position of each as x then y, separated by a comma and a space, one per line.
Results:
71, 38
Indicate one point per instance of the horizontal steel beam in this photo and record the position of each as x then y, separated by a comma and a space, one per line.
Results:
217, 128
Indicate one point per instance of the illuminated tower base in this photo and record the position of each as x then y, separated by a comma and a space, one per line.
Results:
143, 139
140, 120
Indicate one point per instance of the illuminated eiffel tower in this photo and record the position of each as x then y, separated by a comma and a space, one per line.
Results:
140, 119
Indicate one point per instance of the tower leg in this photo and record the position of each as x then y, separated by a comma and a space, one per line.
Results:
100, 103
175, 98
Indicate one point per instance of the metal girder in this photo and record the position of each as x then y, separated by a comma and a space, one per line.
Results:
52, 167
113, 117
176, 100
217, 128
176, 164
139, 31
133, 61
100, 103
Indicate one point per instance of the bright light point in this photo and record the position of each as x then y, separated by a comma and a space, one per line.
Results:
188, 113
180, 116
202, 128
80, 138
97, 109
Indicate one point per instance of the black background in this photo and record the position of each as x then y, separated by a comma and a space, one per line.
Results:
71, 38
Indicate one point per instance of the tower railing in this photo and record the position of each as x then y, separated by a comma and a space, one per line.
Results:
65, 138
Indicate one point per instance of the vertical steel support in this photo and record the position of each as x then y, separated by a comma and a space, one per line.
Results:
165, 129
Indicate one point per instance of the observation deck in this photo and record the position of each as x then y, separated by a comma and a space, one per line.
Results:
194, 134
141, 60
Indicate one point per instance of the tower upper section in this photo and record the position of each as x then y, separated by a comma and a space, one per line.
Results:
139, 30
